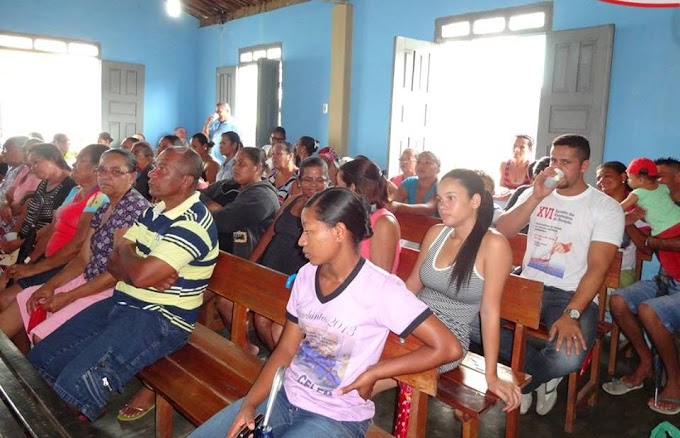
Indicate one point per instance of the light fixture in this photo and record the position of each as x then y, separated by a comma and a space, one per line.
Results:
173, 8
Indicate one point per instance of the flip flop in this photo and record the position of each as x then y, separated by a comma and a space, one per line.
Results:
140, 413
672, 411
619, 387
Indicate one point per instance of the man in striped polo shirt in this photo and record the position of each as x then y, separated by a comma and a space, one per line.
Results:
163, 264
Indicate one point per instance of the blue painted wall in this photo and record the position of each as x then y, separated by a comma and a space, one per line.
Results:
137, 31
644, 94
304, 31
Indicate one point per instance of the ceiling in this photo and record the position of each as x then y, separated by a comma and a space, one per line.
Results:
211, 12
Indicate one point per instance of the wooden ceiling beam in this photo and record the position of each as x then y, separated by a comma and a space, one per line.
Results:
194, 11
211, 12
264, 6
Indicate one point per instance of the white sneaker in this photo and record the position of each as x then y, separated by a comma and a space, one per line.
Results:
546, 396
527, 399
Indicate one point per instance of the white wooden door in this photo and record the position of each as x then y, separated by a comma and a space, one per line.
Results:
575, 91
122, 99
411, 91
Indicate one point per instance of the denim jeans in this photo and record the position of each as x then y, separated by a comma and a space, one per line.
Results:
667, 306
100, 349
543, 362
286, 421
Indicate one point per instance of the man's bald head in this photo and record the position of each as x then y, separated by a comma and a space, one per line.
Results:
189, 162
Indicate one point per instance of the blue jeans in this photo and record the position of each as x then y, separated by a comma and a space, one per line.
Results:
286, 421
100, 349
667, 307
543, 362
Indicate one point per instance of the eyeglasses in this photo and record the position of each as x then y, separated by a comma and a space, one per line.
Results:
309, 180
113, 171
277, 139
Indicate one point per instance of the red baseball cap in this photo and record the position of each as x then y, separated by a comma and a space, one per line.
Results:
639, 164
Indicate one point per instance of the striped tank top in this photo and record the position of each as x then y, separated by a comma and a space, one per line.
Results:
455, 309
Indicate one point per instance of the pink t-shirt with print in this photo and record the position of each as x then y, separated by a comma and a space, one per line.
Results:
345, 333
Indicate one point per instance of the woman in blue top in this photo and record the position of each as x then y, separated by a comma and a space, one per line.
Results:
416, 195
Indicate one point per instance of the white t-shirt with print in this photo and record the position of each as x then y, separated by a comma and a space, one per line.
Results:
560, 231
345, 333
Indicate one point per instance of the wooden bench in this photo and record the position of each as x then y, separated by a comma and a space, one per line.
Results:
28, 406
413, 227
464, 388
588, 393
212, 371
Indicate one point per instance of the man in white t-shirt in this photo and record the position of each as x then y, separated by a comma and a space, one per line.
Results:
574, 233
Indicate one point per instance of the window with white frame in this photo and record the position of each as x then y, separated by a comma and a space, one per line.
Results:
521, 20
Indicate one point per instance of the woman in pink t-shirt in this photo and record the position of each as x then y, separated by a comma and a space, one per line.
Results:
338, 317
364, 178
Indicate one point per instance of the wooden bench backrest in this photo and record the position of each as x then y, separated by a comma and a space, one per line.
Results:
521, 296
414, 227
253, 287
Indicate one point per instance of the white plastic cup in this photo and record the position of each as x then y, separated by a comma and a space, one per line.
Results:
551, 181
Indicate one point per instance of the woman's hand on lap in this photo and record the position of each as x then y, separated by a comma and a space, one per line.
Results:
57, 302
245, 417
38, 296
18, 272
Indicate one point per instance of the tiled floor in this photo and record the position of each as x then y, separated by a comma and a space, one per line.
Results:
625, 416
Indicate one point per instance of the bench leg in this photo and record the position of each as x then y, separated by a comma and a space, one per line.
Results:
164, 411
469, 425
512, 424
417, 424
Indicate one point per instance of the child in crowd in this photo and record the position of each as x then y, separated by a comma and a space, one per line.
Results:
339, 314
661, 213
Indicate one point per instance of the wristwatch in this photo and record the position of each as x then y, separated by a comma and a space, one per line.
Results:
573, 313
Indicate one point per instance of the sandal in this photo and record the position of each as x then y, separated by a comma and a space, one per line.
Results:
619, 387
673, 410
140, 412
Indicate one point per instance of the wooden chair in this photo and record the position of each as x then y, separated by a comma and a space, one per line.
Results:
588, 392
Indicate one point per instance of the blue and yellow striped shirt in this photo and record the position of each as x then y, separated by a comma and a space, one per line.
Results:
186, 239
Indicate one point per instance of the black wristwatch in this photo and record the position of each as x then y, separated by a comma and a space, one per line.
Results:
573, 313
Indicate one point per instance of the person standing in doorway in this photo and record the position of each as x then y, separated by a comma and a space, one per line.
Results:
218, 123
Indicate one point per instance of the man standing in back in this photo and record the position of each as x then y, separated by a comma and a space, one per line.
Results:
217, 124
163, 265
574, 233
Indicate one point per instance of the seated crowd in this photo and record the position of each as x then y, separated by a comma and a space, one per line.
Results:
125, 239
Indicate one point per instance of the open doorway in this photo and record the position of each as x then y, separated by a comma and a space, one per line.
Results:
491, 75
488, 91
